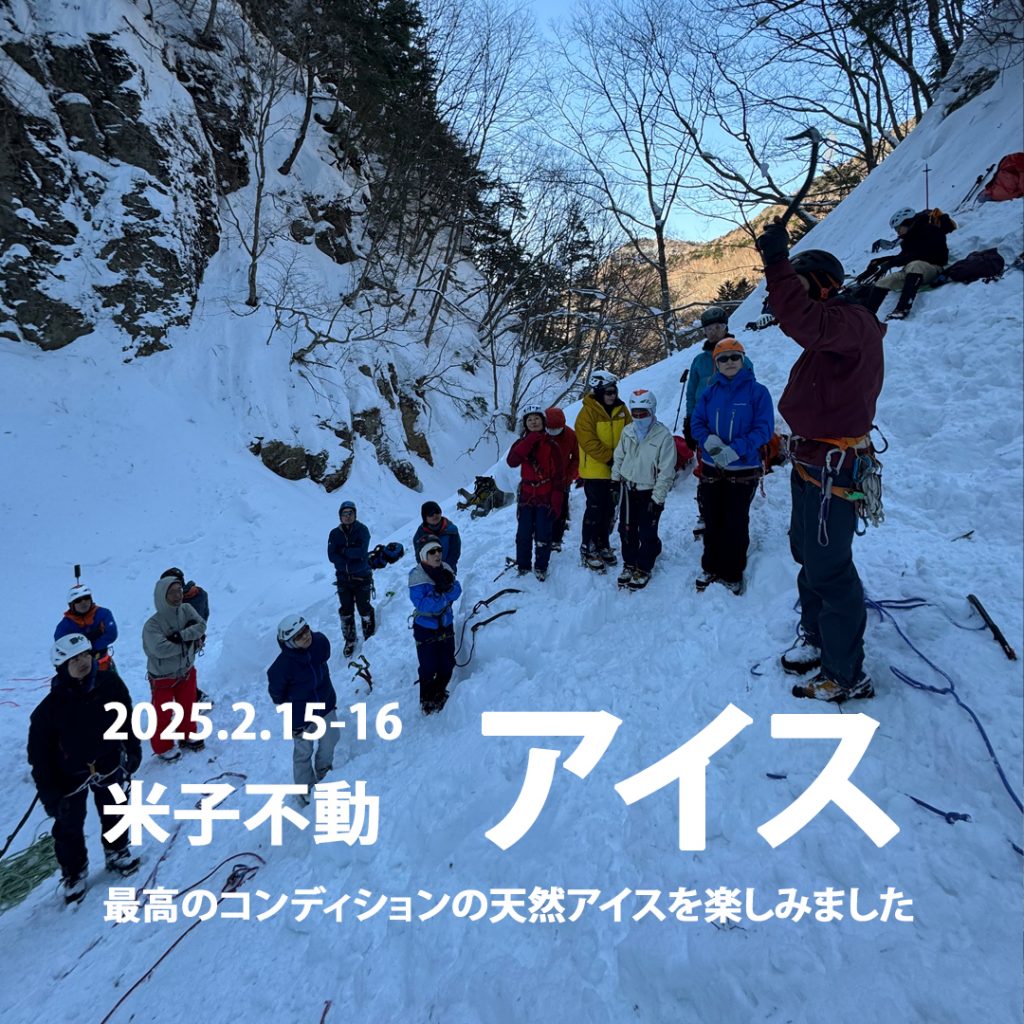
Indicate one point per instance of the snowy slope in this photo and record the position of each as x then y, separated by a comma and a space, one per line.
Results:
132, 469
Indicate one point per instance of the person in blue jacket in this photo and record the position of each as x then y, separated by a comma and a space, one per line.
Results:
91, 620
433, 589
715, 322
733, 418
300, 677
348, 548
436, 527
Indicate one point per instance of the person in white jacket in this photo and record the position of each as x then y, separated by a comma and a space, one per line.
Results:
645, 463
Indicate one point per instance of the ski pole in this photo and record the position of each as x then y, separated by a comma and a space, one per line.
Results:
996, 631
682, 392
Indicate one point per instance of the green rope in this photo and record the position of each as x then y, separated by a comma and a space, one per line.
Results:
20, 874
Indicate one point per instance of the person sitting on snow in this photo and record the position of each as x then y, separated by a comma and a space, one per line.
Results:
922, 256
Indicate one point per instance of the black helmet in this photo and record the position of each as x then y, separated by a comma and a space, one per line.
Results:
714, 315
817, 261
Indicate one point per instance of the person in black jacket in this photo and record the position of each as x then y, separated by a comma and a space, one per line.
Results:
923, 255
348, 549
71, 758
300, 677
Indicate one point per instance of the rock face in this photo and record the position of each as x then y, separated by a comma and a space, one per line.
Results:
107, 189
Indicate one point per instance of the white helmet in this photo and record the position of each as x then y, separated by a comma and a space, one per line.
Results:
601, 379
77, 592
531, 409
643, 399
290, 627
67, 647
901, 216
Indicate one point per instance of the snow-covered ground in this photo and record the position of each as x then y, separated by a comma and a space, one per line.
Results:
128, 469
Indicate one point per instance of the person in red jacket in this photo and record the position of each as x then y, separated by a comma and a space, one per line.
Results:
829, 402
540, 493
565, 438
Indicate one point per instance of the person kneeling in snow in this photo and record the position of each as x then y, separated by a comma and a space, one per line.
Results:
299, 676
71, 758
829, 402
645, 465
540, 493
732, 419
433, 589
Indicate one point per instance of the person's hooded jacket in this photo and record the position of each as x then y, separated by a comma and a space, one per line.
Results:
598, 430
300, 677
702, 369
169, 637
65, 736
97, 625
447, 535
433, 607
740, 412
648, 464
565, 438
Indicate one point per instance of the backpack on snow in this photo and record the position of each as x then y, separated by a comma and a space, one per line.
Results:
981, 265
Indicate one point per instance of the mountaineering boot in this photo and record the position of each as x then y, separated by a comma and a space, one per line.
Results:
910, 286
626, 575
735, 586
73, 887
608, 556
591, 559
802, 656
170, 756
348, 632
704, 580
123, 862
369, 624
823, 688
195, 745
541, 574
556, 545
641, 577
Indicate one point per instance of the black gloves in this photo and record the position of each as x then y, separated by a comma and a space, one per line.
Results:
445, 581
773, 244
174, 638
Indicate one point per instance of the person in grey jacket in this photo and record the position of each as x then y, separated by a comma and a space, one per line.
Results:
645, 462
170, 639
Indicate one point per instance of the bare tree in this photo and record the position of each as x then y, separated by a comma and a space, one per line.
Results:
614, 116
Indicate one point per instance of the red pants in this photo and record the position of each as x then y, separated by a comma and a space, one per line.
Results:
172, 691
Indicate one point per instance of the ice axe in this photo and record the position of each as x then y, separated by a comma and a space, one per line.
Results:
815, 137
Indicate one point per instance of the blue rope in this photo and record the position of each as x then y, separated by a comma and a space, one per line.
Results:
885, 610
951, 816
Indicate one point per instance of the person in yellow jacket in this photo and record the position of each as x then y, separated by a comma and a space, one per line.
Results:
598, 428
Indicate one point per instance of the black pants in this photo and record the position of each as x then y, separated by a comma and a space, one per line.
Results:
832, 610
558, 530
724, 502
599, 517
435, 649
638, 529
535, 524
353, 591
69, 828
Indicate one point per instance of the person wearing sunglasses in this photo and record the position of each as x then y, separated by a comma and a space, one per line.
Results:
731, 420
